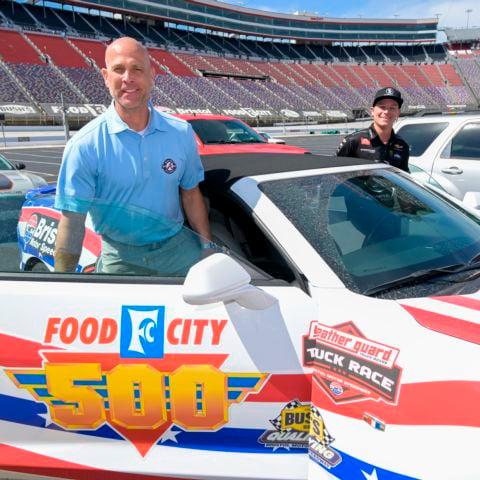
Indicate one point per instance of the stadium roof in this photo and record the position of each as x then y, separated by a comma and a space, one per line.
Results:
462, 34
219, 16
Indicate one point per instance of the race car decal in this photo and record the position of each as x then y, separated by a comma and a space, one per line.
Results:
455, 404
319, 449
292, 427
461, 323
374, 422
23, 461
352, 468
37, 233
140, 401
45, 410
350, 367
142, 331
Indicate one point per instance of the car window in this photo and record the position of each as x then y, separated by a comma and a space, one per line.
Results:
5, 164
225, 131
466, 143
375, 227
131, 240
10, 207
145, 245
420, 136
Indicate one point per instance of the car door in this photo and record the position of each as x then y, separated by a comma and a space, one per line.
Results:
391, 379
459, 160
107, 374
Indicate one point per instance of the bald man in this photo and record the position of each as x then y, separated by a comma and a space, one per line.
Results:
132, 169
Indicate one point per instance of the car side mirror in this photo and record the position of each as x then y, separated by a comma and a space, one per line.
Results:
219, 278
19, 165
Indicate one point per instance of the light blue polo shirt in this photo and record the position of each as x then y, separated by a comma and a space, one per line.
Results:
129, 183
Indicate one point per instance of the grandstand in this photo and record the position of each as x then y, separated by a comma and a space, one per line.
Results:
206, 60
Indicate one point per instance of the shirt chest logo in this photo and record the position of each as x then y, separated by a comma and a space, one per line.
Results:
169, 166
365, 141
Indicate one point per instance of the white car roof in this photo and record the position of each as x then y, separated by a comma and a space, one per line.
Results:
451, 119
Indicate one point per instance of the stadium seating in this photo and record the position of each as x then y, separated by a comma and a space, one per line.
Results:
59, 51
44, 83
241, 73
9, 92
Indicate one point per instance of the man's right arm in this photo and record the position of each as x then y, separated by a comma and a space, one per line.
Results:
345, 148
68, 246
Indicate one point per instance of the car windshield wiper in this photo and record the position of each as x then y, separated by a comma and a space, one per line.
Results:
427, 274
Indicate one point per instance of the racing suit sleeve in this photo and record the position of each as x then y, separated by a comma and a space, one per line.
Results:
345, 149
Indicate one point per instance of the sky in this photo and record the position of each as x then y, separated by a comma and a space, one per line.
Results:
451, 13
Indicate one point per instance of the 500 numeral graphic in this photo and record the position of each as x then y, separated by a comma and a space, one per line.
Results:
136, 396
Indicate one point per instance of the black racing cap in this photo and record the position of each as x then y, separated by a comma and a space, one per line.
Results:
388, 92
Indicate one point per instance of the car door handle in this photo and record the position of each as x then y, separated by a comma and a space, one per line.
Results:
452, 170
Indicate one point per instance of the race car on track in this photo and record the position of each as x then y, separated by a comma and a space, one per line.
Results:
220, 134
15, 182
335, 334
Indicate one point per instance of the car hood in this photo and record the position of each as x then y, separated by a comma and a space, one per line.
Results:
452, 315
249, 148
14, 181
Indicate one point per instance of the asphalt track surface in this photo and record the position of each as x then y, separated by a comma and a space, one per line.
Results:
45, 160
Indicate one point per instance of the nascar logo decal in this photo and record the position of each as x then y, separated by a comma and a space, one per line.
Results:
348, 366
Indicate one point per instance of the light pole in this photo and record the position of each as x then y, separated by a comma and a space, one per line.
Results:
468, 11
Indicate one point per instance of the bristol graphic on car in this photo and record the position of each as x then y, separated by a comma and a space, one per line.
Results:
334, 335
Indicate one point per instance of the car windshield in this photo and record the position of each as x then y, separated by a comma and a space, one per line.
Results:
225, 131
377, 227
5, 164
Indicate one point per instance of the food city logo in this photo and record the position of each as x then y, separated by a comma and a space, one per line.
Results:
41, 233
140, 395
319, 442
350, 367
142, 331
291, 427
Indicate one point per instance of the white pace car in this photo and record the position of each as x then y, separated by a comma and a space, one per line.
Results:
335, 335
15, 182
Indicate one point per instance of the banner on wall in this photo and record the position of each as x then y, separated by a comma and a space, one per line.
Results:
80, 109
18, 109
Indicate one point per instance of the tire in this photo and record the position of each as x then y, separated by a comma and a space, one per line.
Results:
39, 267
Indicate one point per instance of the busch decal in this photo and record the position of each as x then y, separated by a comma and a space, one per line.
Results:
319, 449
291, 427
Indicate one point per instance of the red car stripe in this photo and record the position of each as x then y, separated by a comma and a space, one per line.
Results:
461, 301
18, 460
429, 403
455, 327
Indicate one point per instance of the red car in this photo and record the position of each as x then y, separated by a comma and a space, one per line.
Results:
221, 134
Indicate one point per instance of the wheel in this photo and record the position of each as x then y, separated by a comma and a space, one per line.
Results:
39, 267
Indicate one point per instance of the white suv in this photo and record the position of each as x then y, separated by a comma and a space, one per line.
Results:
448, 149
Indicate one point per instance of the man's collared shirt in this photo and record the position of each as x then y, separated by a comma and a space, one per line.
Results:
129, 183
367, 144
